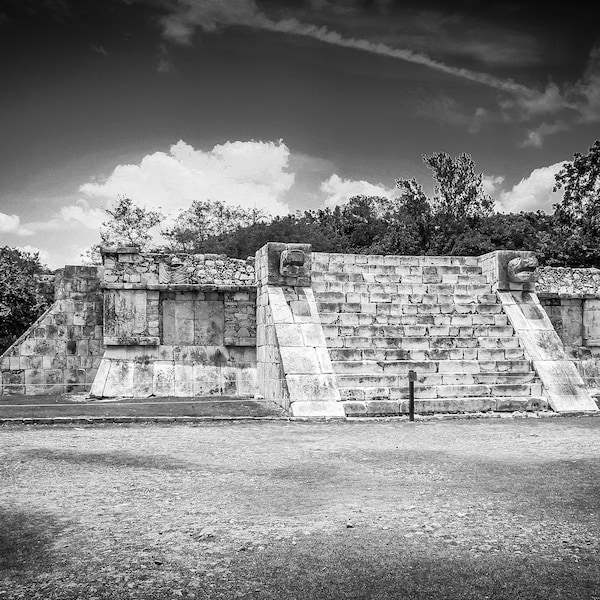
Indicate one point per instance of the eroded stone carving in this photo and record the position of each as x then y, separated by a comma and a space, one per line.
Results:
291, 262
522, 269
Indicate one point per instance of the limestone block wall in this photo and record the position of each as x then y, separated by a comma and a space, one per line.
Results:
62, 350
128, 265
571, 298
294, 367
177, 325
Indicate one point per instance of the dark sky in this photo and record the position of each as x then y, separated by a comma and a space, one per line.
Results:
280, 105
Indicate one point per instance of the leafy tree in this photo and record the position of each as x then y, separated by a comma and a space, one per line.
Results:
129, 225
458, 205
409, 222
577, 216
21, 298
459, 191
209, 219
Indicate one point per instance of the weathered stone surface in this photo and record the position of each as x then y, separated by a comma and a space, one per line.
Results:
562, 383
317, 409
54, 344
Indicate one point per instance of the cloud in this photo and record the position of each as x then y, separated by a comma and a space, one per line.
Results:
83, 214
99, 49
338, 191
533, 192
44, 255
9, 223
535, 137
250, 174
573, 103
187, 16
12, 224
491, 183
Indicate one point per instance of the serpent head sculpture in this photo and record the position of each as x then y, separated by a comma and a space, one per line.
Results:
522, 270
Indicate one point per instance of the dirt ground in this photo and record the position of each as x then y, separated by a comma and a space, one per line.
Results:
475, 509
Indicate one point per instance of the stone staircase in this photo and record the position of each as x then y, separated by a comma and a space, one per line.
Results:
385, 315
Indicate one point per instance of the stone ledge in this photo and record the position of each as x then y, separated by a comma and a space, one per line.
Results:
133, 341
181, 287
193, 420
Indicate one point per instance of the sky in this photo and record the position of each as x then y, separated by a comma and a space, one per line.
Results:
284, 105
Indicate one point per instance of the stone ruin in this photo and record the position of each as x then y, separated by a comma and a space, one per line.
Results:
321, 334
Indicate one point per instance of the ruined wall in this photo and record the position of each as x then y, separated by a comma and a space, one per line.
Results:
61, 351
571, 297
128, 265
177, 325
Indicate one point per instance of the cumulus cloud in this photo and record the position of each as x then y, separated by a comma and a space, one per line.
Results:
9, 223
44, 255
12, 224
491, 183
251, 174
339, 191
533, 192
83, 214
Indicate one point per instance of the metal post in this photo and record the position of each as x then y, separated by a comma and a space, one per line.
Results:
412, 376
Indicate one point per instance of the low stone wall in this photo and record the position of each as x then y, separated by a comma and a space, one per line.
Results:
568, 281
61, 351
128, 265
571, 298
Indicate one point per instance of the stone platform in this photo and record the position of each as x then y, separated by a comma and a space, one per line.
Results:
316, 334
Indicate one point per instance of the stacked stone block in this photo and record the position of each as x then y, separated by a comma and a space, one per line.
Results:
61, 351
385, 315
128, 265
294, 367
177, 325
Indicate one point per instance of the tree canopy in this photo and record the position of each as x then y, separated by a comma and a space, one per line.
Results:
576, 239
458, 219
21, 300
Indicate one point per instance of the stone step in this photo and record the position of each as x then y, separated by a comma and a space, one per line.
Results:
452, 309
399, 353
517, 390
394, 269
460, 328
413, 344
400, 289
375, 408
369, 260
438, 320
345, 297
433, 379
394, 368
355, 355
372, 278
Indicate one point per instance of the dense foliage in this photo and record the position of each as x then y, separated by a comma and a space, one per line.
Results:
21, 299
458, 220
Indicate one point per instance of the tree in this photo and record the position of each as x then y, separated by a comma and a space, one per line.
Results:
409, 221
577, 216
129, 225
209, 220
21, 299
458, 205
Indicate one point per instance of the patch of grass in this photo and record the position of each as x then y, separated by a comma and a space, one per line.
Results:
109, 459
26, 538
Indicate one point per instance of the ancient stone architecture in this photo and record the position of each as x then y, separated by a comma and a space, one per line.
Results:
321, 334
